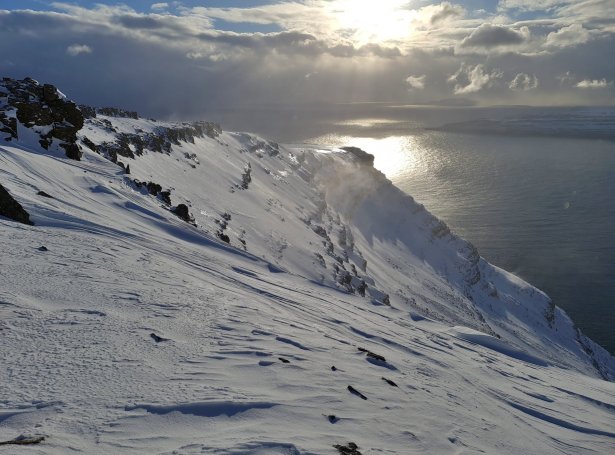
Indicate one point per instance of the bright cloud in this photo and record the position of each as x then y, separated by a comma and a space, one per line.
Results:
471, 79
75, 49
416, 82
523, 82
159, 6
594, 83
571, 35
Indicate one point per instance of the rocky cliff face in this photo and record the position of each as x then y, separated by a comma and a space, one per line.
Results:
56, 120
43, 109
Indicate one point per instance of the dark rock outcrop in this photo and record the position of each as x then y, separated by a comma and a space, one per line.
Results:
246, 177
8, 126
89, 144
24, 441
349, 449
361, 156
131, 145
12, 209
354, 391
41, 106
181, 211
157, 338
153, 188
389, 382
115, 112
373, 355
332, 418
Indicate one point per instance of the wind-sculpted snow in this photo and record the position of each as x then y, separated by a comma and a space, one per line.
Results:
494, 344
315, 310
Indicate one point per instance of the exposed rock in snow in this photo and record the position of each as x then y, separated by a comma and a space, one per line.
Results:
42, 109
12, 209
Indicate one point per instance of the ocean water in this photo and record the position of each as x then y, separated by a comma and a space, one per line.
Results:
537, 199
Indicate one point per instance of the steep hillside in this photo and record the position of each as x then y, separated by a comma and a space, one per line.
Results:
189, 290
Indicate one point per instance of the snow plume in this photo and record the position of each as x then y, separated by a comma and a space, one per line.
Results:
524, 82
416, 82
76, 49
471, 79
594, 83
343, 183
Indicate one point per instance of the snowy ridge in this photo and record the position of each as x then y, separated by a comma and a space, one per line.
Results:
307, 304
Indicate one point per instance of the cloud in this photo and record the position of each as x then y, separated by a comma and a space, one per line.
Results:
204, 66
594, 83
523, 82
159, 6
489, 36
571, 35
471, 79
416, 82
532, 5
76, 49
565, 78
443, 12
297, 43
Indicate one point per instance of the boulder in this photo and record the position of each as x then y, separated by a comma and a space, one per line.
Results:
181, 211
12, 209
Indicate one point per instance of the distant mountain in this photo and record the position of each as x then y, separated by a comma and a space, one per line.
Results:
184, 289
454, 102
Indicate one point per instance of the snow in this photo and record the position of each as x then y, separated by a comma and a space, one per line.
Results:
261, 344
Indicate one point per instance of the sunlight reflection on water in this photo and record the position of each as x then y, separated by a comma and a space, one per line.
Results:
394, 156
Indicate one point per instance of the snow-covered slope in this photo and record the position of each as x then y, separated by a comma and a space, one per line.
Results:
302, 303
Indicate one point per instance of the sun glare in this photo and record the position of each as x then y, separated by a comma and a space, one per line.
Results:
373, 21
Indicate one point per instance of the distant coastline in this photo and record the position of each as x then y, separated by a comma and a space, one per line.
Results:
511, 128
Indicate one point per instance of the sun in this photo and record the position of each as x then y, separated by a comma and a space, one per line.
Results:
372, 21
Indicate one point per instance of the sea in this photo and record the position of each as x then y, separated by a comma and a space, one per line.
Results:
533, 188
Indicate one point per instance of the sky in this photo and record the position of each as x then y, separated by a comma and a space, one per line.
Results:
183, 58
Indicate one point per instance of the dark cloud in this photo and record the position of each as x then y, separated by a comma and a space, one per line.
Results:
296, 42
151, 22
258, 40
141, 22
